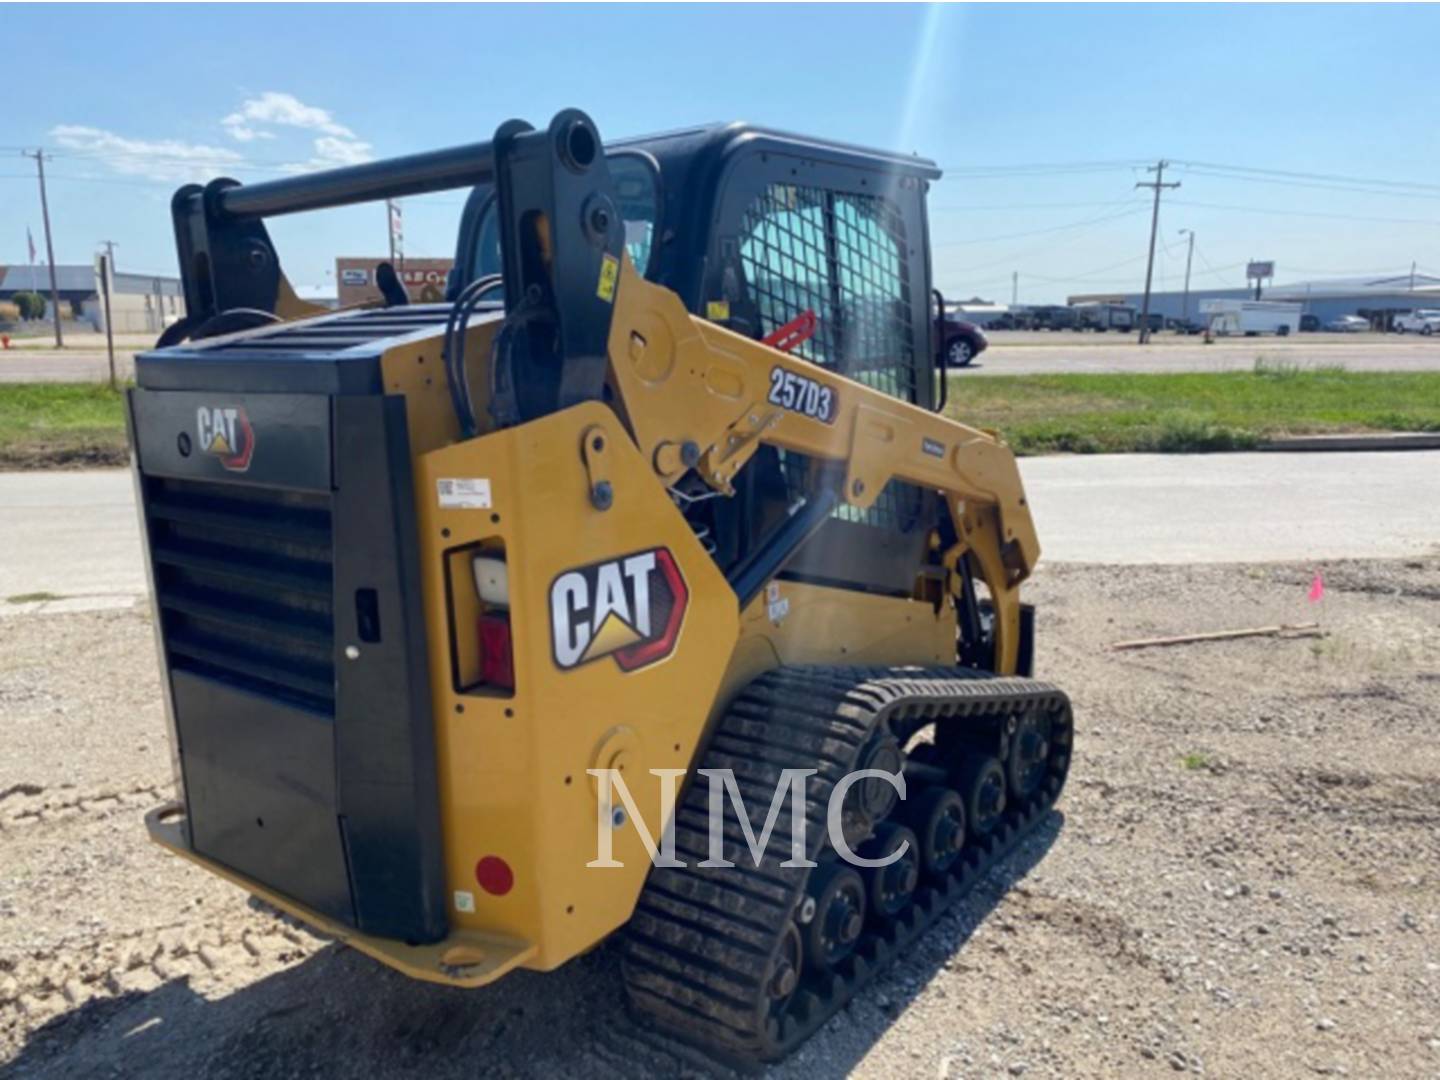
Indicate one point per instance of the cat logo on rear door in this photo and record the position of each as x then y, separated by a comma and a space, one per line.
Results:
225, 431
629, 607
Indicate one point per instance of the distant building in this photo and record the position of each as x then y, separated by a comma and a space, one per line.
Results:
1378, 299
139, 303
424, 279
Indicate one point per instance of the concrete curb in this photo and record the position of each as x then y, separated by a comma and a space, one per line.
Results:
1388, 440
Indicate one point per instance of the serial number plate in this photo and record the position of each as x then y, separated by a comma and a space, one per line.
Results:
801, 395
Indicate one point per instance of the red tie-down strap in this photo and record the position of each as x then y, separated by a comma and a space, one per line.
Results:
795, 332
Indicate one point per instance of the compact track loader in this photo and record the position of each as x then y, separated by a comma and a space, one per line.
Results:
450, 595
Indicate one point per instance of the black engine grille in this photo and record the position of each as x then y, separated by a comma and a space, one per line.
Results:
244, 586
338, 332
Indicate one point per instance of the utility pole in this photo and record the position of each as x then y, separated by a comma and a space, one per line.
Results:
39, 156
1189, 254
1412, 275
1014, 287
1157, 184
106, 269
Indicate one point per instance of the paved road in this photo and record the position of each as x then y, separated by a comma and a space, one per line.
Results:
72, 365
74, 534
1362, 353
69, 534
1010, 353
1183, 508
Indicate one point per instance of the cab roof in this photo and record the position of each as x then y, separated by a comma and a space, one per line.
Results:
725, 139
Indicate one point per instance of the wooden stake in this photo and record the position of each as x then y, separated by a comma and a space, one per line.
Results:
1290, 629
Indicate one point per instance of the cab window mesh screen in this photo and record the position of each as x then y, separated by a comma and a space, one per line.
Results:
841, 256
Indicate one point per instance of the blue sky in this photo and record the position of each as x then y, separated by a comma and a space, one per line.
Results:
135, 100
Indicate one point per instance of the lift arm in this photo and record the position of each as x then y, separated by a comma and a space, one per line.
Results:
697, 395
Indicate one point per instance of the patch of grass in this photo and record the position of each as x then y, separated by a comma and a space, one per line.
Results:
58, 425
31, 597
1195, 761
1193, 412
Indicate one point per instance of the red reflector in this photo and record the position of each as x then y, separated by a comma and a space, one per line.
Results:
494, 875
497, 666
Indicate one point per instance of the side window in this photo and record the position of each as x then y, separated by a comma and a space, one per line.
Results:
875, 295
841, 256
788, 270
636, 190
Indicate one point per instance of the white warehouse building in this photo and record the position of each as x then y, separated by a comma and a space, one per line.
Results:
1378, 299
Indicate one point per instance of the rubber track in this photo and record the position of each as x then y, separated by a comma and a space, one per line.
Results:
702, 938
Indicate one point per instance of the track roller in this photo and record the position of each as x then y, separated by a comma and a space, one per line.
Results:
783, 976
831, 934
1029, 747
937, 815
891, 887
982, 787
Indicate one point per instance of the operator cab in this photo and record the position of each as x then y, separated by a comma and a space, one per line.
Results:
752, 229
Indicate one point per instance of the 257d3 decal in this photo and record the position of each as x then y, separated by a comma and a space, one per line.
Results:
631, 608
799, 394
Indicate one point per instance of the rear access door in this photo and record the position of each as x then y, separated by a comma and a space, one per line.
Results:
280, 529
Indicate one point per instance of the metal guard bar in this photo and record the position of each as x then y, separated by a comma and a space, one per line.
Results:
415, 174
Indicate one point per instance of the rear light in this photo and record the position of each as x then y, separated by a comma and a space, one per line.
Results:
497, 664
492, 581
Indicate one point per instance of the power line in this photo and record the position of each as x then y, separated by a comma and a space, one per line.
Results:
1307, 213
966, 207
1057, 168
1027, 252
1331, 177
1088, 275
1192, 171
1041, 232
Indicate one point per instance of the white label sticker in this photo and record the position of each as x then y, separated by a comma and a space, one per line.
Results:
470, 493
778, 610
465, 901
772, 592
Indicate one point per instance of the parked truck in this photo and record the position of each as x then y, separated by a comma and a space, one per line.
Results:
1101, 317
1250, 317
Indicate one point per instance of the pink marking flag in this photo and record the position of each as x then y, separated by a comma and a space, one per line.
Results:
1317, 588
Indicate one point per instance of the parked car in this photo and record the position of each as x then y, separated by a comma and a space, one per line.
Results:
1424, 321
1154, 320
1309, 324
1348, 324
1185, 326
961, 341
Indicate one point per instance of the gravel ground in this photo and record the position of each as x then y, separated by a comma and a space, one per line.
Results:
1240, 880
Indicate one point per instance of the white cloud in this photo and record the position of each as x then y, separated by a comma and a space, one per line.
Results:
332, 153
241, 133
257, 119
157, 159
286, 110
336, 144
